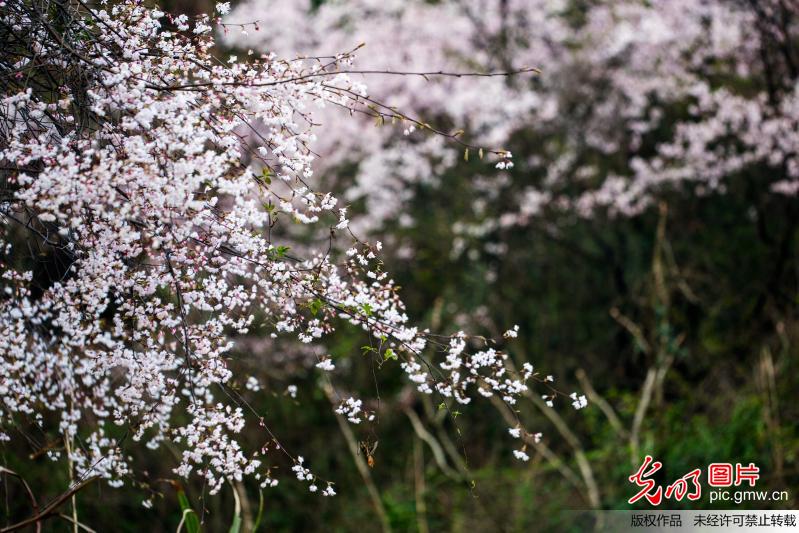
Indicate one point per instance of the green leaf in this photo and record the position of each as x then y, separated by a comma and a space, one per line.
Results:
260, 511
278, 252
235, 527
192, 521
315, 306
389, 354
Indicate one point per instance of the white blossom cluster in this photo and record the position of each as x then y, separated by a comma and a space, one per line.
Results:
352, 409
485, 370
578, 402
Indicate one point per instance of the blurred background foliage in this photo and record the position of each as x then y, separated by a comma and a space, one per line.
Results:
679, 324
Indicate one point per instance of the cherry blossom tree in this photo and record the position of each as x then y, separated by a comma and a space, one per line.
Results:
150, 194
636, 98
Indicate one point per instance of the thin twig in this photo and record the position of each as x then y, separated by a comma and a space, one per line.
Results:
77, 524
352, 444
541, 448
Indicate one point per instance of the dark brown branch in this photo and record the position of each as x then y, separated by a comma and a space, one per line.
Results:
51, 509
191, 86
